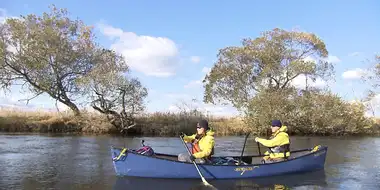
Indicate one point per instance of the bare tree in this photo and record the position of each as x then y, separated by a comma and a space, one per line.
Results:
119, 98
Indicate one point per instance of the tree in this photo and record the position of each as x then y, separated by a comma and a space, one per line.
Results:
119, 98
52, 54
375, 77
269, 62
372, 77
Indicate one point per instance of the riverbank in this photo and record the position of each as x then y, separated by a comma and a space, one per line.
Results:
156, 124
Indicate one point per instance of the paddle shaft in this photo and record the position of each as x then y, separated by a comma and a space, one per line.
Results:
258, 146
242, 151
196, 166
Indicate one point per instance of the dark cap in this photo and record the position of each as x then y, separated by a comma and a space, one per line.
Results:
203, 124
276, 123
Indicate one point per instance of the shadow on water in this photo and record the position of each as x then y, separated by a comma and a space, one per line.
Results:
313, 179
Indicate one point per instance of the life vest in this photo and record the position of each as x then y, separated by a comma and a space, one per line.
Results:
195, 148
282, 151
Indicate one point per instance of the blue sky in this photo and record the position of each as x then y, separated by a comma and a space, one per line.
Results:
171, 44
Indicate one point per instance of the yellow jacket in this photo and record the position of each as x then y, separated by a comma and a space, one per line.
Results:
278, 139
206, 144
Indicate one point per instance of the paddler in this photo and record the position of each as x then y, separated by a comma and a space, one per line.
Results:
202, 144
278, 143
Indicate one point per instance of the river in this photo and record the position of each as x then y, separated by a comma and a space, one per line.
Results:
83, 162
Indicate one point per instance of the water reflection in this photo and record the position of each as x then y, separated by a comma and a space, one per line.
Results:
310, 179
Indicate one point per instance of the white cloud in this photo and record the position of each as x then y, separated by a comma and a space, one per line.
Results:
195, 59
153, 56
333, 59
110, 31
353, 74
300, 82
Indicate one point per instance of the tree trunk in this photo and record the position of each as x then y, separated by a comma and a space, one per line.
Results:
72, 106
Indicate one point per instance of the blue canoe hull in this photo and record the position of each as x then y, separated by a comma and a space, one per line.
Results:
290, 181
137, 165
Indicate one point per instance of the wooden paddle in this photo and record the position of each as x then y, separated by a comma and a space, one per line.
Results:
196, 166
242, 151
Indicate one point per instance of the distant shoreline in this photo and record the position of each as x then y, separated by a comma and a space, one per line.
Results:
152, 125
81, 134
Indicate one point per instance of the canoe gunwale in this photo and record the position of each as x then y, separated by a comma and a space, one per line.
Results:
253, 156
321, 149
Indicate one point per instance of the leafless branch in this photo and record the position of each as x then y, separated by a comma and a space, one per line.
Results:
28, 99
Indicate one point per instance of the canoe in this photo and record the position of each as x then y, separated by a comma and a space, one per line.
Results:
130, 163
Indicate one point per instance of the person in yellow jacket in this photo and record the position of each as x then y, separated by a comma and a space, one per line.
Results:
278, 143
202, 144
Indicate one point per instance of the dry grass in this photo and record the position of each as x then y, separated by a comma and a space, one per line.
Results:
164, 124
155, 124
15, 120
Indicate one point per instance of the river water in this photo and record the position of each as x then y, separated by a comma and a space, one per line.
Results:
84, 162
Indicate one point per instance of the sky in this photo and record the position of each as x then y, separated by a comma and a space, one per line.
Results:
171, 45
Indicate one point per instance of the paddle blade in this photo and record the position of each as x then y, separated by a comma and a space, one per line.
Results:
207, 184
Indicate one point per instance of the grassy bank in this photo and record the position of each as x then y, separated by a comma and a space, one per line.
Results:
157, 124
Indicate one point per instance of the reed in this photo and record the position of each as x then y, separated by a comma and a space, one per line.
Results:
16, 120
149, 124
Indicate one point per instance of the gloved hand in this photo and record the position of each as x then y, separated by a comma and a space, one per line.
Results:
256, 139
192, 158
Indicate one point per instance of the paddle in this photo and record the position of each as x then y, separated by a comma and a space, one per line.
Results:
258, 146
196, 166
242, 151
